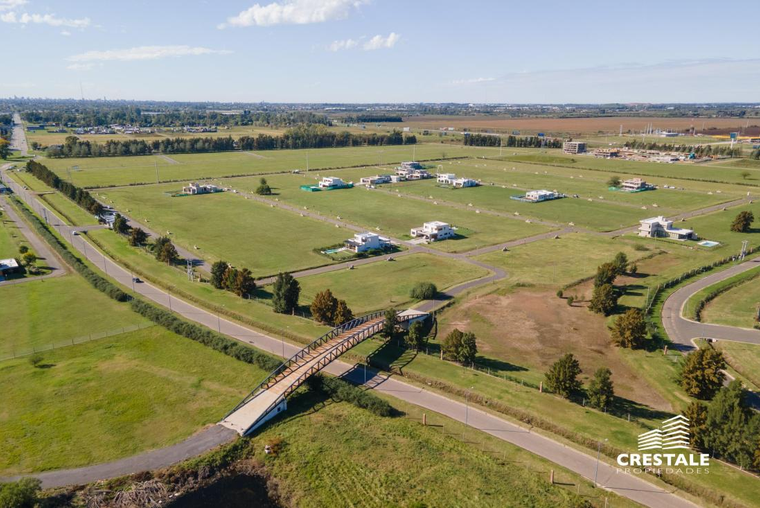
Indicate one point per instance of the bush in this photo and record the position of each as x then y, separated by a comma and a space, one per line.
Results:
20, 494
339, 389
36, 359
423, 291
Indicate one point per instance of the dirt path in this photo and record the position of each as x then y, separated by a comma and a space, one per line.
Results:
169, 159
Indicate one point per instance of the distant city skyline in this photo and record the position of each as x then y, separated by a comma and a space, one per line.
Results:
365, 51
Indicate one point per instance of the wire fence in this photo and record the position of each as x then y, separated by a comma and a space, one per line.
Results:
19, 352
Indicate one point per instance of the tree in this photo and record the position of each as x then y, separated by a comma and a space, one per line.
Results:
263, 189
423, 291
621, 263
630, 329
614, 181
605, 274
165, 250
23, 249
390, 323
20, 494
729, 422
603, 300
570, 300
217, 273
323, 307
137, 237
743, 222
601, 390
229, 278
285, 293
29, 258
562, 377
5, 149
415, 337
244, 284
746, 174
702, 374
120, 224
36, 359
696, 412
342, 313
460, 346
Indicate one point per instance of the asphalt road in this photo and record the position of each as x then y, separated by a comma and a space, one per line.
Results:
18, 138
682, 330
622, 483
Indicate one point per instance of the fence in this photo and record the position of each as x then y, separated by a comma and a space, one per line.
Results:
21, 352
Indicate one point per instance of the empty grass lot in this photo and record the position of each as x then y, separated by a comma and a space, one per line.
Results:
113, 398
395, 216
738, 306
386, 284
38, 314
227, 226
109, 171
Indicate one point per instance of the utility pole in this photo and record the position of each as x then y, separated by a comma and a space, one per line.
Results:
155, 163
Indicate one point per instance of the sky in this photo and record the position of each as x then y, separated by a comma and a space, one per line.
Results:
363, 51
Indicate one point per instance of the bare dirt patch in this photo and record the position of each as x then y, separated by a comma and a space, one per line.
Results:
533, 328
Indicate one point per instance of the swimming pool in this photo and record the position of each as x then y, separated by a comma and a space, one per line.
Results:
708, 243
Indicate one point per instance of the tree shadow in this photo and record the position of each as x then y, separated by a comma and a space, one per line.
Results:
391, 356
498, 365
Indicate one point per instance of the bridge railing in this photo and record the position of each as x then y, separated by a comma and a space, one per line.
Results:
302, 354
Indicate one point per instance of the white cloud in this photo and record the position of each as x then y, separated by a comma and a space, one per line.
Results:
144, 53
344, 44
65, 33
81, 66
472, 81
43, 19
380, 42
293, 12
7, 5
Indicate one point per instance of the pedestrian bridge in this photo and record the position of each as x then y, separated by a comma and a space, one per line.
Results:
269, 398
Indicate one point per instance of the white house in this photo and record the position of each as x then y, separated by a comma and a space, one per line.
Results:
397, 178
540, 195
330, 181
198, 188
464, 182
374, 180
635, 184
660, 227
434, 231
362, 242
446, 178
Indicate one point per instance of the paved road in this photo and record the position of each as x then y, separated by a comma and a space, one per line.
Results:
682, 330
39, 246
18, 138
626, 485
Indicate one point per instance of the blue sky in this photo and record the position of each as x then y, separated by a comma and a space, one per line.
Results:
382, 50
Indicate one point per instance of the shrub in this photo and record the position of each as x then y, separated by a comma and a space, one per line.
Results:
36, 359
423, 291
21, 494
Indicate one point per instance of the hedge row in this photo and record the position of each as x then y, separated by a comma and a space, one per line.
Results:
204, 336
341, 390
77, 264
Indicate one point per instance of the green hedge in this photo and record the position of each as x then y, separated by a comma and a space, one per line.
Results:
339, 389
77, 264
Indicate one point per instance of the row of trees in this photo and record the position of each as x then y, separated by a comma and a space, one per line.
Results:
227, 277
328, 310
311, 136
605, 296
511, 141
562, 379
74, 193
163, 248
698, 150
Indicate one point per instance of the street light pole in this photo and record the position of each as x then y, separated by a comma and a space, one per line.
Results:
466, 410
598, 452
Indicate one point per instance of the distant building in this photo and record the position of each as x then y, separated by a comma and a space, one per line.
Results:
464, 182
574, 146
606, 153
541, 195
331, 181
375, 180
198, 188
660, 227
635, 185
410, 165
362, 242
434, 231
668, 134
412, 171
446, 178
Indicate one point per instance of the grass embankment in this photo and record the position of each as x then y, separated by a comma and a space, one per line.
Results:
736, 303
112, 398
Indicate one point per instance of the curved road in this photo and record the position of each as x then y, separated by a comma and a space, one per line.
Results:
627, 485
682, 330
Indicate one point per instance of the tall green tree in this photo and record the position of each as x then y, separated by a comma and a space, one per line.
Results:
601, 390
390, 324
323, 307
285, 293
630, 329
343, 313
165, 251
120, 224
217, 273
460, 346
605, 274
5, 149
621, 263
696, 412
603, 299
244, 283
743, 222
137, 237
733, 428
562, 377
415, 337
702, 373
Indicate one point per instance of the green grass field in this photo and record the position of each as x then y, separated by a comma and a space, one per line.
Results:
395, 215
227, 226
737, 306
38, 314
108, 171
338, 455
112, 398
744, 358
386, 284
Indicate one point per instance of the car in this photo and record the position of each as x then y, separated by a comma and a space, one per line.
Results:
137, 280
75, 233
